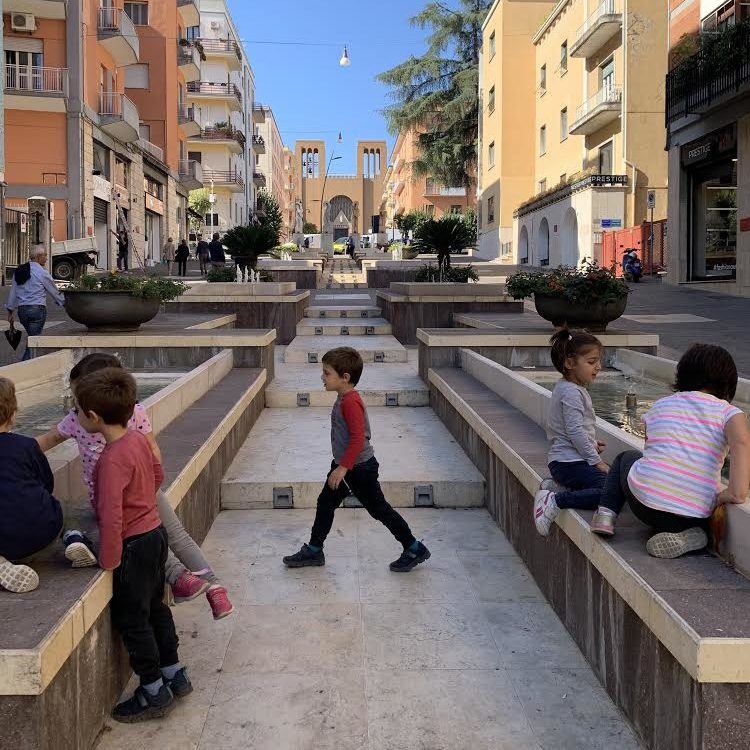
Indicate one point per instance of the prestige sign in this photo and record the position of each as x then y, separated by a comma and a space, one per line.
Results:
715, 144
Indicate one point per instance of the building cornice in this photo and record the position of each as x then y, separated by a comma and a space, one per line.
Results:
490, 13
551, 18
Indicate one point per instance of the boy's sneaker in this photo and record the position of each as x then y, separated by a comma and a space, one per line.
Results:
603, 523
409, 560
668, 546
18, 579
79, 549
188, 587
545, 511
219, 600
144, 707
305, 557
180, 684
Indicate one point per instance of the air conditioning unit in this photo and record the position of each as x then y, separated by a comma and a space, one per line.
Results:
23, 22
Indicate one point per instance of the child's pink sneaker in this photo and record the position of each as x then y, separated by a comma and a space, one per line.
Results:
219, 600
187, 587
603, 522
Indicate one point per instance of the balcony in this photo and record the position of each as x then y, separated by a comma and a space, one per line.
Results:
118, 117
231, 179
259, 114
191, 174
152, 149
188, 121
189, 62
712, 77
37, 89
225, 49
599, 28
601, 109
54, 9
227, 92
118, 36
189, 12
227, 136
435, 191
259, 145
259, 179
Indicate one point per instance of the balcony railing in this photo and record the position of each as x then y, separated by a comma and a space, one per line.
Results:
259, 179
221, 47
221, 134
117, 32
448, 192
602, 107
151, 148
258, 140
34, 80
189, 57
191, 173
717, 72
214, 89
223, 177
119, 116
598, 28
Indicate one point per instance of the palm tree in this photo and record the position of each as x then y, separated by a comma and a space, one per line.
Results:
246, 243
444, 236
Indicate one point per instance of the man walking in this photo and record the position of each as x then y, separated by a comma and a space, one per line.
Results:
28, 294
216, 251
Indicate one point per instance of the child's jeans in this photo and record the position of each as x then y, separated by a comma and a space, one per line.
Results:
363, 481
583, 481
138, 609
617, 492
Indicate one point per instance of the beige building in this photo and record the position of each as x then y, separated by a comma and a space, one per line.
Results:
291, 195
343, 204
270, 150
596, 127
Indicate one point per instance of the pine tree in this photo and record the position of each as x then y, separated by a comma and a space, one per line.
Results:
438, 94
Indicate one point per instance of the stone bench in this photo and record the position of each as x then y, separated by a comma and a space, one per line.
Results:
668, 639
61, 665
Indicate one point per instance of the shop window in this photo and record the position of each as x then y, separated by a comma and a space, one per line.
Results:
138, 13
606, 153
490, 209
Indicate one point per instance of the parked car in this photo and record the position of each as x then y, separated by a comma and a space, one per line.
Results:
339, 245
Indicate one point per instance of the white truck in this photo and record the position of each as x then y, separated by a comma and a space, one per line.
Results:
70, 258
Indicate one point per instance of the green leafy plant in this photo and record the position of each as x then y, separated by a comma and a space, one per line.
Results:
454, 274
149, 287
250, 242
269, 212
287, 247
589, 283
471, 221
444, 236
411, 221
201, 205
309, 228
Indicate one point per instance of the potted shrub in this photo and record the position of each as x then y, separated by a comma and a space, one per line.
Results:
247, 243
443, 237
118, 301
588, 297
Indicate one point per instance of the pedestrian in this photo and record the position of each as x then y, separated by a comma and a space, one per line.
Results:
354, 468
203, 255
28, 294
216, 252
574, 458
182, 255
168, 255
123, 245
306, 243
675, 485
350, 245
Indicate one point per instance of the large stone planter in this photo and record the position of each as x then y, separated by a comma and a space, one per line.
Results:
115, 311
593, 316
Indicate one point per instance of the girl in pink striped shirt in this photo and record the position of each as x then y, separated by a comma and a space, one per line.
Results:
675, 485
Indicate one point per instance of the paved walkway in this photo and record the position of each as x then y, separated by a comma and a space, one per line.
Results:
462, 654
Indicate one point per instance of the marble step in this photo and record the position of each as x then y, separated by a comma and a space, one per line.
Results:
378, 349
339, 327
299, 386
288, 450
343, 311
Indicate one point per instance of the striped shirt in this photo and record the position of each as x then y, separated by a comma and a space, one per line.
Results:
680, 471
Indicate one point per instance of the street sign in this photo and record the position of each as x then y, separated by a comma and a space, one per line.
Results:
611, 223
22, 217
651, 200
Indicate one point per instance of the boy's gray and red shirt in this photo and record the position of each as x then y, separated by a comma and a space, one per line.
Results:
350, 431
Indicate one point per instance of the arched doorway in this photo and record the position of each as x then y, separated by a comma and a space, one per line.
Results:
544, 243
523, 246
570, 252
338, 216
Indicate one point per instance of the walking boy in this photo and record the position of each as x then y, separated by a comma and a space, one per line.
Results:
354, 468
133, 543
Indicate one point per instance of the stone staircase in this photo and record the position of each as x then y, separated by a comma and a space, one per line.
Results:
343, 273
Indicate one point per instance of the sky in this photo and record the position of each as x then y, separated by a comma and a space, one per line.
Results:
308, 90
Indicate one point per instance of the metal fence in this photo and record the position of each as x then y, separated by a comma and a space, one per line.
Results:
15, 247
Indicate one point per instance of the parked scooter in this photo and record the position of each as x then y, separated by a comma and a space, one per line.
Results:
632, 269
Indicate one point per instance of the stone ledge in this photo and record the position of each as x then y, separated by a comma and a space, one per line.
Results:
226, 321
462, 337
232, 289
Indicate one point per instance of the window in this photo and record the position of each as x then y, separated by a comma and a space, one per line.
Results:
542, 186
491, 102
429, 209
563, 178
543, 79
605, 158
493, 48
491, 154
543, 140
430, 186
121, 173
138, 13
101, 160
607, 74
212, 220
136, 76
152, 187
564, 58
193, 32
563, 124
145, 132
456, 208
491, 209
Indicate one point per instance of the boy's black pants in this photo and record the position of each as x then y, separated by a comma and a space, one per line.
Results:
138, 609
363, 481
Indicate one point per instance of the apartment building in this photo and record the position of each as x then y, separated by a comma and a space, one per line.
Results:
222, 102
270, 160
596, 126
291, 195
708, 137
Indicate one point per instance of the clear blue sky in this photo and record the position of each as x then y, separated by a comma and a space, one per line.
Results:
305, 85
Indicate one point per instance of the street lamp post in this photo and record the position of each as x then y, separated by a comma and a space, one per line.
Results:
323, 193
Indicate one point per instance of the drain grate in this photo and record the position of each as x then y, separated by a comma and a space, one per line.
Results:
379, 357
391, 399
322, 314
423, 496
283, 497
312, 358
344, 331
343, 313
365, 314
303, 399
318, 331
370, 330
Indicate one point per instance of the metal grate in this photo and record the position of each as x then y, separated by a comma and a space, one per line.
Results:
312, 358
303, 399
423, 496
370, 330
391, 399
318, 331
283, 497
379, 356
365, 314
344, 331
343, 313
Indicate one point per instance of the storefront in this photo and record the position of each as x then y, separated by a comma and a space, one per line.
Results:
154, 199
710, 166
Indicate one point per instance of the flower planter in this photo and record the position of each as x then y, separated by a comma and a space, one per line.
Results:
593, 316
110, 311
